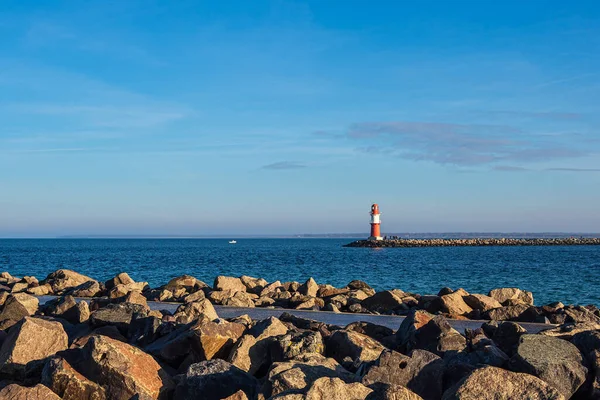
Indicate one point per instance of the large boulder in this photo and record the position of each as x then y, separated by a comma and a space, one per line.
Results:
38, 392
86, 289
296, 375
16, 307
31, 340
67, 308
215, 380
121, 279
567, 331
187, 282
504, 294
385, 301
293, 344
422, 372
509, 313
250, 353
420, 331
580, 314
201, 340
556, 361
336, 389
454, 304
189, 312
254, 285
506, 335
349, 345
118, 315
481, 302
309, 288
64, 380
491, 383
224, 283
382, 391
124, 370
65, 279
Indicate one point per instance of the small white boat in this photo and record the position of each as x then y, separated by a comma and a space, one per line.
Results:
232, 242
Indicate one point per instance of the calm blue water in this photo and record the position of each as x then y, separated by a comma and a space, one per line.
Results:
569, 274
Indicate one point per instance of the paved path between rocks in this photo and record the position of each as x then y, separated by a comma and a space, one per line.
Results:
340, 319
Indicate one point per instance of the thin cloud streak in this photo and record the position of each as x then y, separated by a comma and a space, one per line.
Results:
282, 165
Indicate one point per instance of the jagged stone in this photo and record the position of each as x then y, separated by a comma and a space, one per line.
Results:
86, 289
377, 332
124, 371
187, 282
254, 285
453, 303
68, 309
309, 288
196, 296
121, 279
224, 283
420, 331
567, 331
40, 290
507, 335
383, 301
69, 384
422, 372
189, 312
215, 380
555, 361
580, 314
503, 294
16, 307
294, 344
336, 389
358, 347
30, 340
491, 383
481, 302
296, 375
17, 392
65, 279
119, 315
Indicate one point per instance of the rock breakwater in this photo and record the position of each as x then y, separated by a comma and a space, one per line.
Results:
117, 348
571, 241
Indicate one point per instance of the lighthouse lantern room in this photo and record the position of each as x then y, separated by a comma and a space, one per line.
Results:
375, 223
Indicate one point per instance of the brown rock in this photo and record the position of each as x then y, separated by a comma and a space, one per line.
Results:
567, 331
254, 285
453, 303
420, 331
18, 306
391, 392
19, 287
67, 308
508, 313
122, 279
239, 395
358, 347
383, 301
309, 288
41, 290
64, 380
31, 339
189, 312
187, 282
271, 288
491, 383
229, 283
125, 370
86, 289
336, 389
65, 279
38, 392
503, 294
481, 302
196, 296
298, 374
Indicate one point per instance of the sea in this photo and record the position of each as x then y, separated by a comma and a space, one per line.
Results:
570, 274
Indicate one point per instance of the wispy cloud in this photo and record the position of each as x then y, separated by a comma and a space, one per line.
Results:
284, 165
509, 168
460, 144
574, 169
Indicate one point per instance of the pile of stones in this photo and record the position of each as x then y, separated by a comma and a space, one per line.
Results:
116, 348
502, 304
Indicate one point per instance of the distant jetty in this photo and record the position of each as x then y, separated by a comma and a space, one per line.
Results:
569, 241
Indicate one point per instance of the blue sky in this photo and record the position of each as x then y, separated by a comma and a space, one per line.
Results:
276, 117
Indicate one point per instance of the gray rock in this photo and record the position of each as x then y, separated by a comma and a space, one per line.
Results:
556, 361
422, 372
293, 344
119, 315
215, 380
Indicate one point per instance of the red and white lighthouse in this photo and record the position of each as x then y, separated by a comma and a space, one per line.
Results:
375, 223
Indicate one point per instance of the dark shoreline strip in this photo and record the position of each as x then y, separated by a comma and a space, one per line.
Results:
477, 242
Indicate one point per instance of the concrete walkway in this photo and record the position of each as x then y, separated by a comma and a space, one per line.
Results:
328, 317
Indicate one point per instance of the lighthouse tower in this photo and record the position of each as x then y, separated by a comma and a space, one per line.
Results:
375, 223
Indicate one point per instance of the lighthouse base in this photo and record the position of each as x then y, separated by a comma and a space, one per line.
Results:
375, 238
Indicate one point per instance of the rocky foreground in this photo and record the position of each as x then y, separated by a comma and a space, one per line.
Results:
115, 347
570, 241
